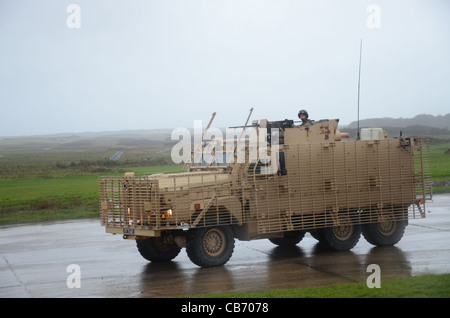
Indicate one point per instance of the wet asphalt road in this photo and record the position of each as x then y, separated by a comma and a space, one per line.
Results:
34, 260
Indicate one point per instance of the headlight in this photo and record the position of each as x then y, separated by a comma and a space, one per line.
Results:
166, 213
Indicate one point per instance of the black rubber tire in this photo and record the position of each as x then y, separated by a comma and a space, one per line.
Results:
317, 235
153, 250
342, 242
290, 238
384, 234
210, 246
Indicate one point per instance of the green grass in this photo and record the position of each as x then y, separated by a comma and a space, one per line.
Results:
39, 199
440, 168
424, 286
38, 184
440, 161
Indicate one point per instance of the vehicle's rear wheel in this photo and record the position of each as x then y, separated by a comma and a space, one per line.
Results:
155, 250
210, 246
342, 237
388, 232
290, 238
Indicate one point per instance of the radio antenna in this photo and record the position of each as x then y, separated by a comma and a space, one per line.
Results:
359, 81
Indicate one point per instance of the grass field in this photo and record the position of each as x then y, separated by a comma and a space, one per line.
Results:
424, 286
57, 178
440, 167
40, 199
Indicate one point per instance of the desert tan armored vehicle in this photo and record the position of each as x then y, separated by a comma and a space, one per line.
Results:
312, 182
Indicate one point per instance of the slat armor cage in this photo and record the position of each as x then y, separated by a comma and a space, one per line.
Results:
324, 184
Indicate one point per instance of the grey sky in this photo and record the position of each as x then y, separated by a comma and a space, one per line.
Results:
163, 64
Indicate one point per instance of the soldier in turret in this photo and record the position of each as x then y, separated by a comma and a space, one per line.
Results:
303, 115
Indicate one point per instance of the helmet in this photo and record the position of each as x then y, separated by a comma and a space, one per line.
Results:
303, 112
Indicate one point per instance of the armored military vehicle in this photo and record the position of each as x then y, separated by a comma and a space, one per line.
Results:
294, 180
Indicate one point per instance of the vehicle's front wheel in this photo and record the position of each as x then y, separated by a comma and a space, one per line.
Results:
153, 249
210, 246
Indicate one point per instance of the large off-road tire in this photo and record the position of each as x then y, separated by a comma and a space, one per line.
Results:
210, 246
317, 234
154, 250
386, 233
342, 237
290, 238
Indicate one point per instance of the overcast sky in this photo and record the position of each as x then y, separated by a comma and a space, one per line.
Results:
165, 63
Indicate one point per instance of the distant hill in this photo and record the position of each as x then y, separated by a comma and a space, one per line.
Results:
440, 121
437, 128
157, 139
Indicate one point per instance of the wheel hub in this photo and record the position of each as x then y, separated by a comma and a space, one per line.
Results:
343, 232
387, 227
213, 242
